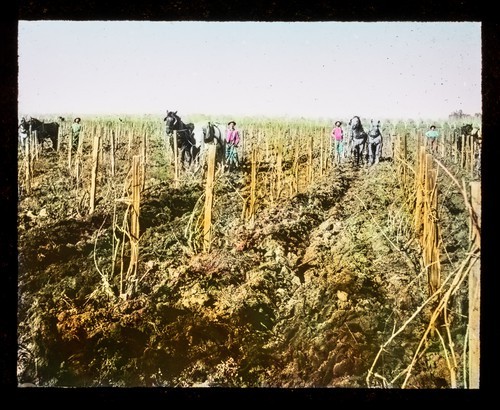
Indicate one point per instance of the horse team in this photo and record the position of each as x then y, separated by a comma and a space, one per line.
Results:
193, 138
46, 132
364, 147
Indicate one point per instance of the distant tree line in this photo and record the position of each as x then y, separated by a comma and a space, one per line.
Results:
460, 115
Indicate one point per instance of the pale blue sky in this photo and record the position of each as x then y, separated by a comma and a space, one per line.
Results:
309, 69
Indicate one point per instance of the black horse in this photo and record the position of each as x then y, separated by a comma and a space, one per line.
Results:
374, 143
186, 143
45, 131
357, 139
468, 130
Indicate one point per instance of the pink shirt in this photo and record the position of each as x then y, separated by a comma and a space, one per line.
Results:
233, 136
338, 133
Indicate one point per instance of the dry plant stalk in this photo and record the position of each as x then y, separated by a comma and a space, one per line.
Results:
28, 166
70, 151
176, 161
419, 184
456, 278
143, 161
112, 153
104, 278
430, 232
193, 229
310, 169
296, 166
95, 165
209, 192
321, 153
279, 168
249, 211
34, 144
134, 226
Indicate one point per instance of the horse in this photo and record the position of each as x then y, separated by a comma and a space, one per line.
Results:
357, 139
45, 131
374, 143
186, 143
210, 133
467, 130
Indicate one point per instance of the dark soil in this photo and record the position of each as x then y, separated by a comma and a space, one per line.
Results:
304, 297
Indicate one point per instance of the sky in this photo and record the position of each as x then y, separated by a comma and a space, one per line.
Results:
274, 69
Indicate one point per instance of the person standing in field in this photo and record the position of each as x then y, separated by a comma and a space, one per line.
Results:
232, 141
432, 136
76, 129
337, 140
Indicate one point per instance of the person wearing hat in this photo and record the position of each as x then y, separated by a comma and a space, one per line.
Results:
232, 141
432, 136
76, 128
337, 142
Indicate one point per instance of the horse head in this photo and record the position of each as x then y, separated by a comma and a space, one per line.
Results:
172, 122
357, 130
355, 123
374, 143
374, 129
466, 130
34, 122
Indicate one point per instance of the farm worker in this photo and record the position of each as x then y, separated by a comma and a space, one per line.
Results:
337, 137
232, 141
432, 136
76, 128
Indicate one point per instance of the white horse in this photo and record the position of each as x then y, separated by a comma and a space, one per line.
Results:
208, 133
374, 143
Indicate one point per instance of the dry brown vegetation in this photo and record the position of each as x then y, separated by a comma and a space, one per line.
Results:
316, 276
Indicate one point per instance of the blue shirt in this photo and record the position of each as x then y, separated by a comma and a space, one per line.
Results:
432, 134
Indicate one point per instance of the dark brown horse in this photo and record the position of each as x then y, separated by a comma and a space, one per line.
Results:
468, 131
46, 132
186, 144
357, 139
